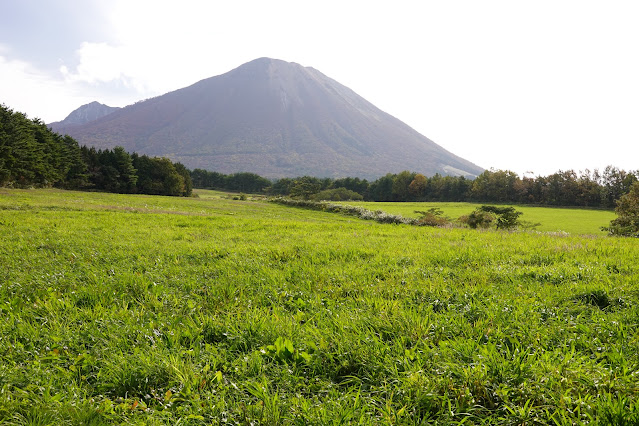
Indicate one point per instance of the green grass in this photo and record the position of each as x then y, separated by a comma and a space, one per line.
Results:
155, 310
551, 219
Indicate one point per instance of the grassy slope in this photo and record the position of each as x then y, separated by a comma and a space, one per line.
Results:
572, 220
157, 310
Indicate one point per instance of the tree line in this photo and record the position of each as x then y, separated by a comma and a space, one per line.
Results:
31, 154
564, 188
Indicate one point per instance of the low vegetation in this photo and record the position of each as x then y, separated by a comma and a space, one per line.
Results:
433, 217
484, 217
548, 219
501, 217
135, 309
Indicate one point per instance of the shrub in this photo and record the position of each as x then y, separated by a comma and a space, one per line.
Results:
478, 219
362, 213
484, 216
627, 222
337, 194
432, 217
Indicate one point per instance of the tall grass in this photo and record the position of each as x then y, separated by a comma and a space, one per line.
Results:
153, 310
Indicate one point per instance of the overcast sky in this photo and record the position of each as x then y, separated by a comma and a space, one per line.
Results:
528, 86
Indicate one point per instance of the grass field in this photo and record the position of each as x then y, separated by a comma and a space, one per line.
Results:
155, 310
571, 220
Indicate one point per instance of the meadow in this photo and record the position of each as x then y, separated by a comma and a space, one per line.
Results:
132, 309
579, 221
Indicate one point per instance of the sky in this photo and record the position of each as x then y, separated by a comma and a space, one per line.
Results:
534, 87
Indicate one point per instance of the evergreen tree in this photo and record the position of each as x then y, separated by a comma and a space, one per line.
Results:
123, 163
382, 188
207, 180
31, 154
282, 186
115, 171
305, 186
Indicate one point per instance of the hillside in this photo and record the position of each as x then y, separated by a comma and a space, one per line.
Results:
276, 119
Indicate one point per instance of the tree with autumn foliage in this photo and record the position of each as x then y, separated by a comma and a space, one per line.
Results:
418, 186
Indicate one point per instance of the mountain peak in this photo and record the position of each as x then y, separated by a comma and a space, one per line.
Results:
85, 114
276, 119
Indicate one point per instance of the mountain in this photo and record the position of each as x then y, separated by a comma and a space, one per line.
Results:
276, 119
84, 114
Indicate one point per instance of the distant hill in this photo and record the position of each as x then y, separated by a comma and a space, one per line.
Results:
85, 114
276, 119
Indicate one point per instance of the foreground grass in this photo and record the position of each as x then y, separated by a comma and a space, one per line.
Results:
154, 310
578, 221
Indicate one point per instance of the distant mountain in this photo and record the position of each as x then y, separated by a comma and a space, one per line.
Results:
83, 115
276, 119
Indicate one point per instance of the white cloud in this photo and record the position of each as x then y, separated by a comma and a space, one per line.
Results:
26, 89
98, 62
107, 66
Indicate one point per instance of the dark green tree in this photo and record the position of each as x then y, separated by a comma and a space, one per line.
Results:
478, 219
401, 184
158, 176
615, 183
495, 185
281, 186
354, 184
31, 154
207, 180
246, 182
589, 190
115, 171
305, 186
186, 176
76, 176
627, 222
382, 188
502, 217
123, 164
337, 194
507, 217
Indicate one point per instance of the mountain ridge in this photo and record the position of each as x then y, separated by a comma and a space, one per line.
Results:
276, 119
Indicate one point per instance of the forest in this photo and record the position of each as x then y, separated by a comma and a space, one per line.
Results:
592, 189
33, 155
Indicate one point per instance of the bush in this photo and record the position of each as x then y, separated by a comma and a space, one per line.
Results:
432, 217
627, 222
478, 219
485, 216
360, 212
507, 217
337, 194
